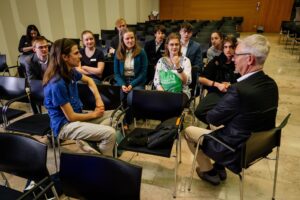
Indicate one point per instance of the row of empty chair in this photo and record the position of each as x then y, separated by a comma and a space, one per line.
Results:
201, 31
289, 36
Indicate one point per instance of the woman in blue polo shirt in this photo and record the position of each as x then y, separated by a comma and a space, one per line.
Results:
63, 103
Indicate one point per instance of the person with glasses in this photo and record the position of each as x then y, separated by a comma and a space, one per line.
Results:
248, 105
216, 77
91, 129
36, 64
173, 71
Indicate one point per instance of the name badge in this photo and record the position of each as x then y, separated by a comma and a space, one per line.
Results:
93, 59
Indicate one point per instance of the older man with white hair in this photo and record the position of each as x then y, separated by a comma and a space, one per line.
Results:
249, 105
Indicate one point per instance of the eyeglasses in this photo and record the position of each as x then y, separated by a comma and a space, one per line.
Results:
240, 54
42, 47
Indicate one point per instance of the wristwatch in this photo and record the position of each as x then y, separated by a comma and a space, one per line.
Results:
179, 70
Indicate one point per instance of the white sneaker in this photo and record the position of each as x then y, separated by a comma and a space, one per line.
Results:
86, 147
30, 186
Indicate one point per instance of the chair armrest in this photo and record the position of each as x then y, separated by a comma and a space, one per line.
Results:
6, 106
120, 107
118, 117
180, 121
16, 66
108, 79
39, 189
219, 141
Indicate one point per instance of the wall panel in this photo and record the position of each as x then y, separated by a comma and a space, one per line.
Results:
64, 18
270, 13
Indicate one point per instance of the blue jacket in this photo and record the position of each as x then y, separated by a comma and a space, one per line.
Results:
194, 53
140, 70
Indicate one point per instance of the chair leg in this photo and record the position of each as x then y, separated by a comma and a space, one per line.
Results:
58, 145
179, 141
275, 173
176, 168
242, 184
54, 150
54, 192
116, 151
194, 164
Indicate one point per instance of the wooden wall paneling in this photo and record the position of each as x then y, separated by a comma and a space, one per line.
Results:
273, 12
270, 14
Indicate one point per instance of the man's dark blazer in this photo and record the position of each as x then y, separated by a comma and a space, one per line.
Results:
33, 68
152, 54
115, 42
194, 53
248, 106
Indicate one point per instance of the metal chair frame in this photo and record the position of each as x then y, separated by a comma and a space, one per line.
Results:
251, 155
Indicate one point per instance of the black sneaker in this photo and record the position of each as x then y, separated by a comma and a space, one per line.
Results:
212, 179
221, 171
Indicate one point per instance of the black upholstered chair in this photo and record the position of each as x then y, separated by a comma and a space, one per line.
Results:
195, 88
155, 105
3, 65
24, 157
111, 97
107, 34
108, 72
35, 124
86, 176
21, 65
258, 146
12, 89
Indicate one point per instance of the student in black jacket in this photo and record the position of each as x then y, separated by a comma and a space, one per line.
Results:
155, 49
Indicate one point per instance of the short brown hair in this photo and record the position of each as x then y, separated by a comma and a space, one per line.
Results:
231, 39
38, 39
187, 26
119, 21
160, 28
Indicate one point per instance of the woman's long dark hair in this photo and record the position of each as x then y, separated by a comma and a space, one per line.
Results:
57, 65
29, 29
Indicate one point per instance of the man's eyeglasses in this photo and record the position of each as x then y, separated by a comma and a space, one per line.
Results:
42, 47
240, 54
